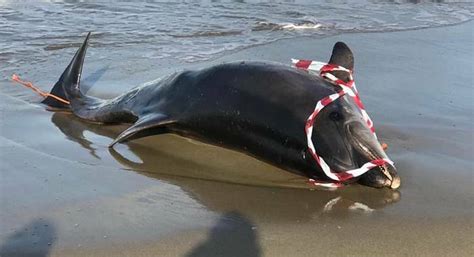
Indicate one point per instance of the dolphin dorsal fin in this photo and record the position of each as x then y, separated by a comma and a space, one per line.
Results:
342, 56
151, 124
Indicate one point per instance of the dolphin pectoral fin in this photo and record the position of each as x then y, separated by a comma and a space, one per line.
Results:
148, 125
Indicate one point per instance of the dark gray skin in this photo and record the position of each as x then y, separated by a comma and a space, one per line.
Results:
256, 108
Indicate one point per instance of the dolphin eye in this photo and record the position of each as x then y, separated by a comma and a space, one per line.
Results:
335, 116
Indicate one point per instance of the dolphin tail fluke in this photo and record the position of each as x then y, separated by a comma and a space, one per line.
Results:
57, 91
104, 111
68, 85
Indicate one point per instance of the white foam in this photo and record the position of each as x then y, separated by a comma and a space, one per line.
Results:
300, 26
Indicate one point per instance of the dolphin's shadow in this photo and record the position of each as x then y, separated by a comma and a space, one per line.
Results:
74, 132
232, 235
33, 240
88, 82
70, 129
253, 201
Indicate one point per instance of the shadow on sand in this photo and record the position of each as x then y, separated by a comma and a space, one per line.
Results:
233, 235
32, 240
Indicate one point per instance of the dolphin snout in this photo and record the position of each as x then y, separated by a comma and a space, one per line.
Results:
382, 176
395, 182
368, 148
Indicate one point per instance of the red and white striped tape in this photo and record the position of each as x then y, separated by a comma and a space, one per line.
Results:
349, 88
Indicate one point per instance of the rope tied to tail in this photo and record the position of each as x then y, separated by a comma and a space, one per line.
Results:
30, 85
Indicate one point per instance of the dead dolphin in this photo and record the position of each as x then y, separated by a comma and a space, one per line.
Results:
256, 108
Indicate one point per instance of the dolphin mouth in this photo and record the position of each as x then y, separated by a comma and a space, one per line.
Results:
367, 148
374, 178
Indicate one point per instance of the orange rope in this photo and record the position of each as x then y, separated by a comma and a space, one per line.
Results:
30, 85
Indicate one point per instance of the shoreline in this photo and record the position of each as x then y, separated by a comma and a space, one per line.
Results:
313, 37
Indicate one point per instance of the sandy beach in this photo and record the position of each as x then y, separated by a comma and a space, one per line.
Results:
64, 193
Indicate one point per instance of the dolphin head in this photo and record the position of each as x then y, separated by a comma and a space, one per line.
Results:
342, 137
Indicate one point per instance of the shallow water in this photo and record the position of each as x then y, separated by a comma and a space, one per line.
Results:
33, 31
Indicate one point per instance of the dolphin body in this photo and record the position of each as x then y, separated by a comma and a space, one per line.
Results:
256, 108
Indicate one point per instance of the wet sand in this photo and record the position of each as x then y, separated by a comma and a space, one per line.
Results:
63, 193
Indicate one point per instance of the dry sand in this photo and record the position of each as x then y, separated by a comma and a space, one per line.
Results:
64, 194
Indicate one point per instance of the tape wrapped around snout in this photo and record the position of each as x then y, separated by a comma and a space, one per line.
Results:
349, 88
